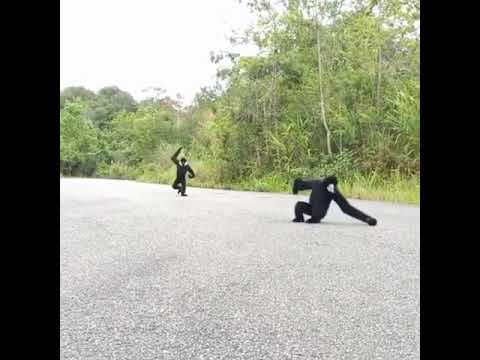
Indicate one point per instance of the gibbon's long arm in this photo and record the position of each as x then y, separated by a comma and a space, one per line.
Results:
190, 170
350, 210
174, 156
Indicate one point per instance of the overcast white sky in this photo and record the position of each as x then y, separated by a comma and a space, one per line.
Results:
135, 44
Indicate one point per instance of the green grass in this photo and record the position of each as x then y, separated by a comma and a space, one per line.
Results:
394, 189
373, 187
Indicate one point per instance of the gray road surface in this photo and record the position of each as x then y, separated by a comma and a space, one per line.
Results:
146, 274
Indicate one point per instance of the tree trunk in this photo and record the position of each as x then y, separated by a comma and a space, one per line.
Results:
257, 151
379, 79
274, 77
379, 60
320, 87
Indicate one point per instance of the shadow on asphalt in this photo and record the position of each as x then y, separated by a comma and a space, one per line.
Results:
323, 223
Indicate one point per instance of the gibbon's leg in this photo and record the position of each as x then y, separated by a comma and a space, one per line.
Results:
301, 208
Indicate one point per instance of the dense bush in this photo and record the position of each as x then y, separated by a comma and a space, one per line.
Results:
331, 92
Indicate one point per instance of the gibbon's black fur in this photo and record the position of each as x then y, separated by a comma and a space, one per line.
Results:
180, 182
323, 192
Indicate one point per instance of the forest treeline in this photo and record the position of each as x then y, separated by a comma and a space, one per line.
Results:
334, 89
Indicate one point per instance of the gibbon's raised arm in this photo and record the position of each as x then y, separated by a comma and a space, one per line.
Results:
174, 156
299, 185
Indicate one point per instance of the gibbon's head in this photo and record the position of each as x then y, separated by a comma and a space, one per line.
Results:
331, 180
183, 160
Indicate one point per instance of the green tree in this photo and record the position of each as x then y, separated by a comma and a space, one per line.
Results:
76, 92
109, 102
78, 141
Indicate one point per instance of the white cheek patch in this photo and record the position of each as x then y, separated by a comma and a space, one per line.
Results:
331, 188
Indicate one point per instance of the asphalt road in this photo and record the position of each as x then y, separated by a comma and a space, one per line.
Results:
146, 274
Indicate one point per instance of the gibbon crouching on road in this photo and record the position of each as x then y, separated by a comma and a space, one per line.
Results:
323, 192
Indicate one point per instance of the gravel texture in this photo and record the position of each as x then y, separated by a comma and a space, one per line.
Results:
147, 274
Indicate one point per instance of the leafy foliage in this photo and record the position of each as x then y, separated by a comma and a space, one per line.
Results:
271, 117
78, 141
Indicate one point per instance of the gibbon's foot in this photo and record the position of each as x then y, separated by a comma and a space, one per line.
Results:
371, 221
313, 221
298, 220
184, 195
